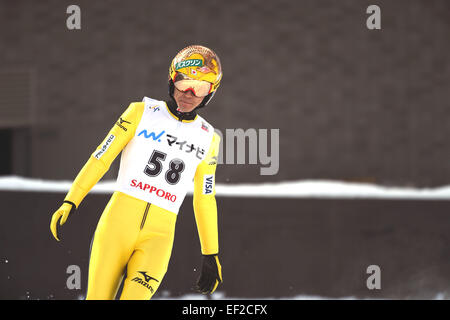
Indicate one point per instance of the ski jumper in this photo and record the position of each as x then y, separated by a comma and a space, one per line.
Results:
161, 157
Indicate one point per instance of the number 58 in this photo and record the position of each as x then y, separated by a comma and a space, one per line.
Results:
154, 167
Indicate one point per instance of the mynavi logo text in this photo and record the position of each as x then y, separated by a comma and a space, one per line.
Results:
152, 135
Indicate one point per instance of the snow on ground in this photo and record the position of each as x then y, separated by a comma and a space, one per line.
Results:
221, 296
288, 189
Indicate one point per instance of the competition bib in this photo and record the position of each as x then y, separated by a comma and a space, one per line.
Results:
159, 163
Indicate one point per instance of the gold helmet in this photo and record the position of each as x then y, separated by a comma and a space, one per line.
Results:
197, 63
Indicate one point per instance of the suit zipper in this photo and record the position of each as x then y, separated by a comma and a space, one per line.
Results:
145, 215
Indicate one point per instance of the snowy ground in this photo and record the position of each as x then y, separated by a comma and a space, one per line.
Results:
291, 189
221, 296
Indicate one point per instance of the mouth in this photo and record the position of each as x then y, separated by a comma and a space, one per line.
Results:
185, 102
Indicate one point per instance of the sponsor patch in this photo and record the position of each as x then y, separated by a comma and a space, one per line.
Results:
189, 63
98, 154
152, 135
152, 189
208, 183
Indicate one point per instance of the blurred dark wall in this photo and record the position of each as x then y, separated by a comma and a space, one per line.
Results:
269, 248
350, 103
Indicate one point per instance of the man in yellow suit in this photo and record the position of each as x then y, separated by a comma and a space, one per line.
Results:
165, 147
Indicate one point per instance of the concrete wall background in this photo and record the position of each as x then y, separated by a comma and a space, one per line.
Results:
351, 104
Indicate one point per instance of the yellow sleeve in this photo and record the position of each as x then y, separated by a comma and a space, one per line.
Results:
205, 207
101, 159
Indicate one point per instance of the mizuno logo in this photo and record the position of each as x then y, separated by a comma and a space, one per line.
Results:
145, 283
120, 123
147, 277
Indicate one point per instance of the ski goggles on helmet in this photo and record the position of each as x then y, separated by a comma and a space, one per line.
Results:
198, 87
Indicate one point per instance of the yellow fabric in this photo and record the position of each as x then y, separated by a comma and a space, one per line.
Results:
135, 236
205, 206
119, 242
95, 169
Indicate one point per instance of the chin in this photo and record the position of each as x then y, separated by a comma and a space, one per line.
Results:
184, 108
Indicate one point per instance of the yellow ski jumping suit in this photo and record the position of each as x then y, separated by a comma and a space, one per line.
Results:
134, 234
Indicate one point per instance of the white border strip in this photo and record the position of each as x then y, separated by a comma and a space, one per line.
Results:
294, 189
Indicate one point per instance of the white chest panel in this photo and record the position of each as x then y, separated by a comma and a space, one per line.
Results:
159, 163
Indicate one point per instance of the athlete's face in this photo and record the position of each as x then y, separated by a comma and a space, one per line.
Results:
186, 101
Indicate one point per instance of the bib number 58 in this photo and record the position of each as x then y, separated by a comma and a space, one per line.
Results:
154, 167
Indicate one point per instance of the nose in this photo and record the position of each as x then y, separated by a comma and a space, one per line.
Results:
189, 92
